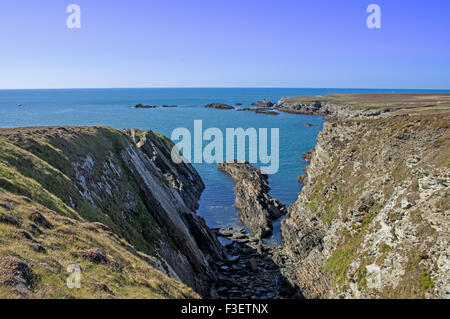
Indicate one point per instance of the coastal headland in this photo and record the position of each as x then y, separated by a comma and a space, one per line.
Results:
371, 221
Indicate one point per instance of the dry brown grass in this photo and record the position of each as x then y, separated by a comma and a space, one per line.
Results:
400, 103
111, 268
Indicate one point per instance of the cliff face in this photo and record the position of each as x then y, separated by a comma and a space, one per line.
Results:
256, 207
318, 107
373, 217
123, 180
342, 106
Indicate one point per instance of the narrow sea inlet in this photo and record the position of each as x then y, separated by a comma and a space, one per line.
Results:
113, 107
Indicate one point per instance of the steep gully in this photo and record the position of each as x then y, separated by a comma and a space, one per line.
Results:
370, 221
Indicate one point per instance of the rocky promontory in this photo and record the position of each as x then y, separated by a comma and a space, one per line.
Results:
263, 103
220, 106
256, 207
342, 106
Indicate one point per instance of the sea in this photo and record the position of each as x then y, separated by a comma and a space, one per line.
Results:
114, 108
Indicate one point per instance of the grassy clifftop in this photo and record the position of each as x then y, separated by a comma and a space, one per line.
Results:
37, 244
66, 195
42, 163
367, 104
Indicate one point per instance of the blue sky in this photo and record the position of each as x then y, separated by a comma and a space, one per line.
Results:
225, 43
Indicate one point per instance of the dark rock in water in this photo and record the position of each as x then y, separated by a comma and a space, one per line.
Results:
141, 106
259, 110
238, 104
169, 105
220, 106
247, 109
308, 125
263, 103
255, 207
268, 113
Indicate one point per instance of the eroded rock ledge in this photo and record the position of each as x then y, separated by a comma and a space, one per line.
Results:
256, 207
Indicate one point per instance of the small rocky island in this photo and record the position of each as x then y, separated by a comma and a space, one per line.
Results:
142, 106
263, 103
256, 207
220, 106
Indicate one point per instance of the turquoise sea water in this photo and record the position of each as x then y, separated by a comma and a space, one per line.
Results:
112, 107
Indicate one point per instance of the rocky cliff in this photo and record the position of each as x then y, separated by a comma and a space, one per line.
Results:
125, 182
256, 207
373, 218
342, 106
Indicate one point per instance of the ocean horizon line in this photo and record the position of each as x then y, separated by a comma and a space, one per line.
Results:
220, 87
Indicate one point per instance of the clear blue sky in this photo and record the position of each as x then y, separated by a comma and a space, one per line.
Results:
225, 43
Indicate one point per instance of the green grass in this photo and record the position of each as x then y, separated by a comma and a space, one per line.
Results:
38, 163
126, 275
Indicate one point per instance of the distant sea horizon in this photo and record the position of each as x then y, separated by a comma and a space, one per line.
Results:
433, 90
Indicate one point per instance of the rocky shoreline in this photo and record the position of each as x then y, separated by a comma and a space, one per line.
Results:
263, 103
249, 270
256, 207
325, 109
142, 106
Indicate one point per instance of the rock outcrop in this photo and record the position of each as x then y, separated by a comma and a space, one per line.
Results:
142, 106
373, 217
220, 106
123, 179
256, 207
325, 108
342, 106
263, 103
249, 271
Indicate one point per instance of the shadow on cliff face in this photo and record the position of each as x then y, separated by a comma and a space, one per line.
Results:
249, 272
